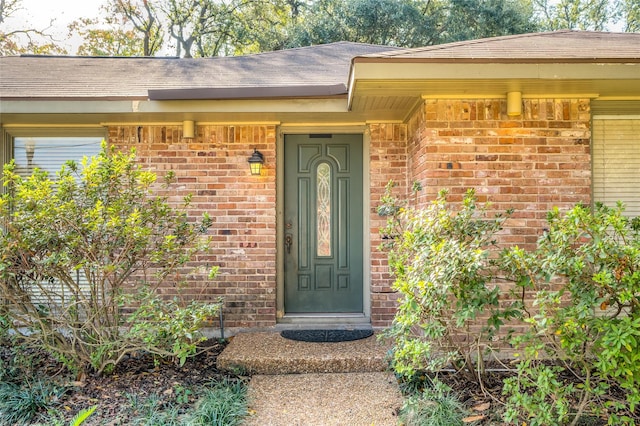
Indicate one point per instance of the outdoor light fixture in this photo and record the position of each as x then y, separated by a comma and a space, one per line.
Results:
188, 129
255, 162
514, 103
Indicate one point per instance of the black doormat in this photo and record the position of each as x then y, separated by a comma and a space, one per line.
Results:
326, 335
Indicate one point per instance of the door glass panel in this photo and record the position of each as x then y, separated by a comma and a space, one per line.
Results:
324, 210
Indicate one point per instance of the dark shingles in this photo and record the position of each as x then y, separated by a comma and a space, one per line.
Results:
557, 46
90, 77
323, 65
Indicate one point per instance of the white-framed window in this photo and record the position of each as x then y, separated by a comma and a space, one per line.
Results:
616, 161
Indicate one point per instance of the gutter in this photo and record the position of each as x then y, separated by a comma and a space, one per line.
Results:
249, 92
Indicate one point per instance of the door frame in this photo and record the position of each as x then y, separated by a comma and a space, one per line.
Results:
338, 319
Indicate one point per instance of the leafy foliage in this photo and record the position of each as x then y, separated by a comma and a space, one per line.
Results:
440, 260
578, 292
471, 19
75, 250
145, 19
586, 275
22, 37
152, 410
115, 40
202, 28
592, 15
387, 22
82, 416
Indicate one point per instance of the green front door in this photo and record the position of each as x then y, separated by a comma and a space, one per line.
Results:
323, 223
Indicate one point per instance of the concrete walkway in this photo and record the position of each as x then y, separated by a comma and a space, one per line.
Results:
300, 383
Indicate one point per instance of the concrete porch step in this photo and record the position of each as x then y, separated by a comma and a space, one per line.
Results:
268, 353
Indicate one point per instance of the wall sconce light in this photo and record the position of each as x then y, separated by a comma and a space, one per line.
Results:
514, 103
188, 129
255, 162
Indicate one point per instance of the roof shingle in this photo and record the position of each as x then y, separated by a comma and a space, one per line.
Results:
557, 46
56, 77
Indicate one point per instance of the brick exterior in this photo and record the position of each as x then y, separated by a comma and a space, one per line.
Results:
388, 161
531, 163
213, 168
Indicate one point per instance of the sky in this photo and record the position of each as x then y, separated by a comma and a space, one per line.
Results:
39, 13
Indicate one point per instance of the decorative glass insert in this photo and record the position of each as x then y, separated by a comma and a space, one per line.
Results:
324, 210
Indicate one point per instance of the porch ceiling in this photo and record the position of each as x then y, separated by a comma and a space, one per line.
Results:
392, 98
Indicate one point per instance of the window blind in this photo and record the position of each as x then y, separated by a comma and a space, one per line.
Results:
50, 154
616, 163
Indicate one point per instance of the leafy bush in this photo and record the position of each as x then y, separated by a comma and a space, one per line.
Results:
578, 292
449, 309
586, 278
74, 251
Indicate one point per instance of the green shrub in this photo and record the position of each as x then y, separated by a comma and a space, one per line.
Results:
103, 222
449, 308
578, 292
582, 352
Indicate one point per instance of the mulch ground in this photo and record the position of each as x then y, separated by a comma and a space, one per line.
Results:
136, 378
141, 378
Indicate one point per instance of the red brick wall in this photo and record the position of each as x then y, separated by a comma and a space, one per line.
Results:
213, 168
388, 160
530, 163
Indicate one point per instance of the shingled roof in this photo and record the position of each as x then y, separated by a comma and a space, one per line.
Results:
557, 46
63, 77
338, 82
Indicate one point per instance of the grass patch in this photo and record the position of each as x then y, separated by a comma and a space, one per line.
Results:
223, 403
153, 411
23, 403
435, 405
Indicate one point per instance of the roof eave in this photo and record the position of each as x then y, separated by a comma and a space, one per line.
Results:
486, 60
248, 92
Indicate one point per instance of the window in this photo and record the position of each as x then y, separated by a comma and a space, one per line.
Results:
49, 150
616, 162
51, 153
